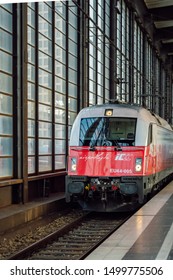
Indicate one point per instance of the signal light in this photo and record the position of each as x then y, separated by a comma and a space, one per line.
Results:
87, 188
93, 188
73, 164
114, 188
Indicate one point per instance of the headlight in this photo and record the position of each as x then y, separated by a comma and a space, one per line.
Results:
73, 164
138, 164
108, 112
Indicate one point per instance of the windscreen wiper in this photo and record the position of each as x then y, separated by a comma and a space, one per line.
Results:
92, 147
118, 147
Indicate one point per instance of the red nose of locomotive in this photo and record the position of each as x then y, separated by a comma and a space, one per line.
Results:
104, 172
118, 155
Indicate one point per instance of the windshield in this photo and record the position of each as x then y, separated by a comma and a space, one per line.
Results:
104, 131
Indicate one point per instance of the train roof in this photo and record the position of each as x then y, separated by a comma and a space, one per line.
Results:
124, 110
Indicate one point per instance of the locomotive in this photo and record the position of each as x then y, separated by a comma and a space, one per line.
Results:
118, 154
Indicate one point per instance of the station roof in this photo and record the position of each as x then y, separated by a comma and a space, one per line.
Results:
156, 18
161, 13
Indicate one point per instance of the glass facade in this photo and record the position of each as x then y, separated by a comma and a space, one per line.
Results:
99, 51
31, 86
73, 64
45, 86
138, 69
6, 91
68, 54
53, 80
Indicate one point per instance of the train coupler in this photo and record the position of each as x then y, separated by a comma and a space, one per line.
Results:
104, 196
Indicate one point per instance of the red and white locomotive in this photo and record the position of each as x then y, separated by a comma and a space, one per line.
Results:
118, 154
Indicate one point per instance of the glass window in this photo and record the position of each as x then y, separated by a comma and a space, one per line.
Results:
60, 69
60, 116
5, 20
71, 117
31, 109
72, 19
72, 103
31, 146
45, 146
6, 83
107, 131
45, 163
59, 146
72, 74
45, 129
45, 78
45, 11
60, 85
72, 90
149, 135
5, 62
72, 61
31, 73
6, 146
31, 5
72, 33
31, 165
31, 91
45, 95
6, 167
44, 27
61, 27
92, 98
6, 125
31, 36
6, 41
60, 162
31, 128
31, 17
60, 39
5, 104
45, 112
60, 100
73, 47
60, 8
45, 61
60, 131
45, 45
7, 7
31, 54
60, 54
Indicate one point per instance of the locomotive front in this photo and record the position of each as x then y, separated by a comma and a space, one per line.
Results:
105, 166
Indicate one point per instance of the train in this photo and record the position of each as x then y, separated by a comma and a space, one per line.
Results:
119, 155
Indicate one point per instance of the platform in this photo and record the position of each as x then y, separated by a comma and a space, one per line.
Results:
147, 235
17, 214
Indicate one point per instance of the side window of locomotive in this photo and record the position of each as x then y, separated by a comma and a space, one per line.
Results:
149, 135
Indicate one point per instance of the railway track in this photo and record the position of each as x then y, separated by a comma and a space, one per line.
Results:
76, 240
